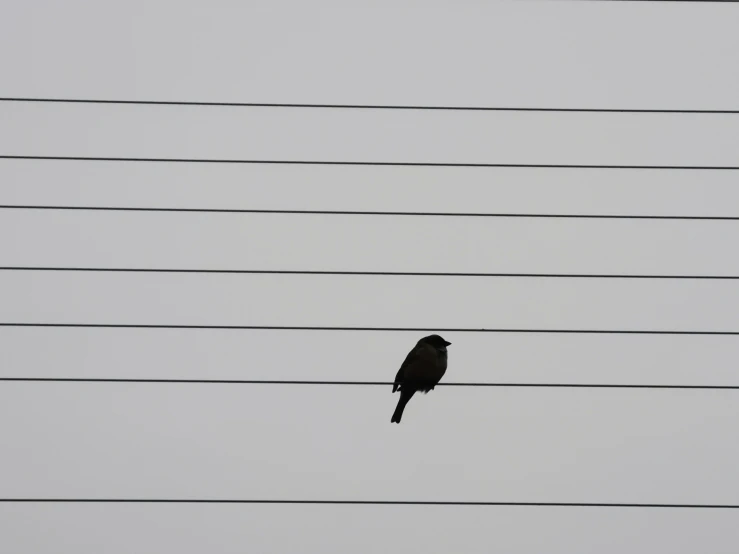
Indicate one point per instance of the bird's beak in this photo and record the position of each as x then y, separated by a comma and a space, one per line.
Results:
447, 343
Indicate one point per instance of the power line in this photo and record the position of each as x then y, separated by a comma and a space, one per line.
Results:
368, 213
365, 502
384, 329
354, 383
672, 1
367, 163
362, 106
370, 273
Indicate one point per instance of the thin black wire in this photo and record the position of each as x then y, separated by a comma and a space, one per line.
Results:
360, 163
354, 383
370, 273
672, 1
384, 329
362, 106
370, 213
365, 502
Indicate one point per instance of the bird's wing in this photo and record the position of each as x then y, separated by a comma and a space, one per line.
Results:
411, 358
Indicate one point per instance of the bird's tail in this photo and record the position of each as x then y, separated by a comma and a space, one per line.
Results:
405, 396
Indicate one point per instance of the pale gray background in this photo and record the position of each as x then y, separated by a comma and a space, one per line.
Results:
215, 441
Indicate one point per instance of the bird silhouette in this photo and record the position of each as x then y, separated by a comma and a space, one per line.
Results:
421, 371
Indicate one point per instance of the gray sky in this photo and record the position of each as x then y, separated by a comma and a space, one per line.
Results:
467, 444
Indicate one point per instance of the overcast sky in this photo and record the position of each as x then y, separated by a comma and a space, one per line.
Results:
337, 443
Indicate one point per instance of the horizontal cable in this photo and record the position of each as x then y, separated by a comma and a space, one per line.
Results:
368, 502
386, 329
355, 383
673, 1
372, 213
362, 106
368, 273
358, 163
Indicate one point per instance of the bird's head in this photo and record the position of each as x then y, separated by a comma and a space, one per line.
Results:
436, 341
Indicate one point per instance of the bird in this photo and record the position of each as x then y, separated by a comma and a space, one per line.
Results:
421, 371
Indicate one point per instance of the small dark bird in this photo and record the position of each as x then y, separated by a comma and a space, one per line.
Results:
421, 371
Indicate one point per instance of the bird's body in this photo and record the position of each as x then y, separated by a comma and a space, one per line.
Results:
421, 371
